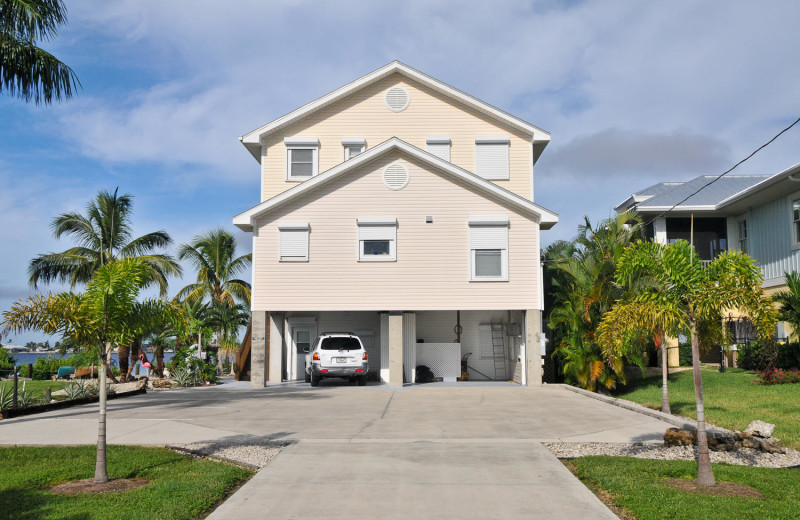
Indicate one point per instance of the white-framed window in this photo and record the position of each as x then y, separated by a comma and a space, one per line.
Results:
439, 146
377, 239
741, 226
353, 146
302, 158
293, 246
491, 157
488, 249
796, 223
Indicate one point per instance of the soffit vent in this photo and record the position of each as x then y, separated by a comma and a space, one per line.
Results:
396, 99
395, 176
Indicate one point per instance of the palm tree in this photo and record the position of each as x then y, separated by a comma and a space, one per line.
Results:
686, 297
789, 302
213, 255
27, 71
227, 320
582, 274
104, 235
98, 318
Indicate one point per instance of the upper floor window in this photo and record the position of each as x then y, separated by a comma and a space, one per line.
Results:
353, 146
796, 223
488, 248
302, 158
742, 227
377, 239
439, 146
491, 157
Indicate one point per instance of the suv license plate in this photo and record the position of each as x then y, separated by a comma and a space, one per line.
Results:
341, 360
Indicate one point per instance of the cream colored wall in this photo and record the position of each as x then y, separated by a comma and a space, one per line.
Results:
432, 267
364, 114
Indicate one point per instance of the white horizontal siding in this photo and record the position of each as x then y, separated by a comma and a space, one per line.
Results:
432, 267
365, 114
770, 234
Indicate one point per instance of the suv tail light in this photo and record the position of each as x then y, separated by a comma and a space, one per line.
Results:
365, 357
315, 357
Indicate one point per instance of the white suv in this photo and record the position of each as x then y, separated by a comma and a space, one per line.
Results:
337, 354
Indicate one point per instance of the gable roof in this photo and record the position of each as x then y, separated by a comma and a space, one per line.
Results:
252, 140
664, 196
546, 218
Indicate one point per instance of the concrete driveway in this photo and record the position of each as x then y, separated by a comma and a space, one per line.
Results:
429, 451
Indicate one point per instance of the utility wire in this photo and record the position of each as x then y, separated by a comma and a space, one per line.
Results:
721, 175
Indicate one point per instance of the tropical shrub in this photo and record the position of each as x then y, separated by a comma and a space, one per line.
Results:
46, 367
768, 355
778, 376
6, 361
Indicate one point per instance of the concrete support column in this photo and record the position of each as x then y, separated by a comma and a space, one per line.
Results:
396, 348
533, 347
410, 347
258, 350
276, 331
384, 343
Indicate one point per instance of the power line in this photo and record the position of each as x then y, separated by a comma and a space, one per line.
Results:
721, 175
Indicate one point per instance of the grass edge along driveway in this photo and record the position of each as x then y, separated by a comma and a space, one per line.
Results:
180, 487
732, 400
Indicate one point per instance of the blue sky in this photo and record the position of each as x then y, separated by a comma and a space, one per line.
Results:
633, 93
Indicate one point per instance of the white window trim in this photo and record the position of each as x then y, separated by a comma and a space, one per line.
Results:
739, 236
793, 236
301, 143
494, 139
294, 227
353, 142
390, 225
495, 222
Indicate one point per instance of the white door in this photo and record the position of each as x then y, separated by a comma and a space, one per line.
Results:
302, 338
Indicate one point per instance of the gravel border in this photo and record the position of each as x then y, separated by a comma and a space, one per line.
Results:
254, 454
657, 450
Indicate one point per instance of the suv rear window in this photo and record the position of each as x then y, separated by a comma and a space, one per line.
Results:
340, 343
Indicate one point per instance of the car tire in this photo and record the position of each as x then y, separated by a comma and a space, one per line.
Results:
308, 377
351, 379
314, 380
362, 381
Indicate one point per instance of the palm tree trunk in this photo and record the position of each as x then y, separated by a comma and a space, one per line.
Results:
705, 475
664, 376
134, 353
123, 352
219, 352
160, 361
101, 466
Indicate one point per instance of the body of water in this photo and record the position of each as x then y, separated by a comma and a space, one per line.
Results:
31, 357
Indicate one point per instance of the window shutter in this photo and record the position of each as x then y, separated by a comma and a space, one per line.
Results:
293, 241
491, 158
488, 237
440, 147
385, 231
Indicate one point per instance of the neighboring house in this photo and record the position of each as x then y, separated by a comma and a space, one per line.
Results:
756, 214
400, 209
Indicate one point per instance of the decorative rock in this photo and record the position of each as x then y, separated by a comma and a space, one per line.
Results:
750, 442
760, 429
678, 437
772, 445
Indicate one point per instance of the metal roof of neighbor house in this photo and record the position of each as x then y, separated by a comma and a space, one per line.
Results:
666, 195
545, 217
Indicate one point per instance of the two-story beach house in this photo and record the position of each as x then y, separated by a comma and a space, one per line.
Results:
756, 214
400, 209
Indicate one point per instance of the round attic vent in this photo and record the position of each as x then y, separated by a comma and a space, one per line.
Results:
395, 176
396, 99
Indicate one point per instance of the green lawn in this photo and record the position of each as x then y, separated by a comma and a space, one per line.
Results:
639, 486
35, 386
180, 487
731, 400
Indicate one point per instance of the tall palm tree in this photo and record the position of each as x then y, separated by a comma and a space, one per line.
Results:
103, 235
98, 318
227, 320
213, 255
26, 70
685, 298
